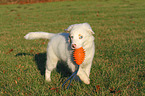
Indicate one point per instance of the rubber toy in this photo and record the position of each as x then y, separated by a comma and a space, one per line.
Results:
79, 56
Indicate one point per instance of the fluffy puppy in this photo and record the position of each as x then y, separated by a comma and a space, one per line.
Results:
61, 46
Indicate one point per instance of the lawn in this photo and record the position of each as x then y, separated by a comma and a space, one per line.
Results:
119, 62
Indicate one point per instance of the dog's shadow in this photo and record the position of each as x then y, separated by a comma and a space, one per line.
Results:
40, 60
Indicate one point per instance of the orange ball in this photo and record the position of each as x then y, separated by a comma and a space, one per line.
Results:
79, 55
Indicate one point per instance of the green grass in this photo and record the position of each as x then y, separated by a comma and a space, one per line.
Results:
119, 62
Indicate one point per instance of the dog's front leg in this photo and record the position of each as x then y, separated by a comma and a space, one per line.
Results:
83, 76
87, 69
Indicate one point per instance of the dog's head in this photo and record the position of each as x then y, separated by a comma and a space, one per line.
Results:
79, 34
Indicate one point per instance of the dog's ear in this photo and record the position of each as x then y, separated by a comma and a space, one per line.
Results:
89, 28
91, 31
69, 28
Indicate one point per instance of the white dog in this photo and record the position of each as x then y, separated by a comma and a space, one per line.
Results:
61, 47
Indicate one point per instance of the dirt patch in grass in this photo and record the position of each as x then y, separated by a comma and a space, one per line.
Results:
5, 2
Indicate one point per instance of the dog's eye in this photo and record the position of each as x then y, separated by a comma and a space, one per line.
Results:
80, 37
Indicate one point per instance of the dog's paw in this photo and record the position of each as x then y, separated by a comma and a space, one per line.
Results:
48, 80
85, 78
87, 81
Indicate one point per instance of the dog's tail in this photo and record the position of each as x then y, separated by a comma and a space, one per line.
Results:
39, 35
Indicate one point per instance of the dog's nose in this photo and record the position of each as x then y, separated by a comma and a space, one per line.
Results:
73, 46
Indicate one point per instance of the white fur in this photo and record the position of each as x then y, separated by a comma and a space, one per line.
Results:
60, 48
